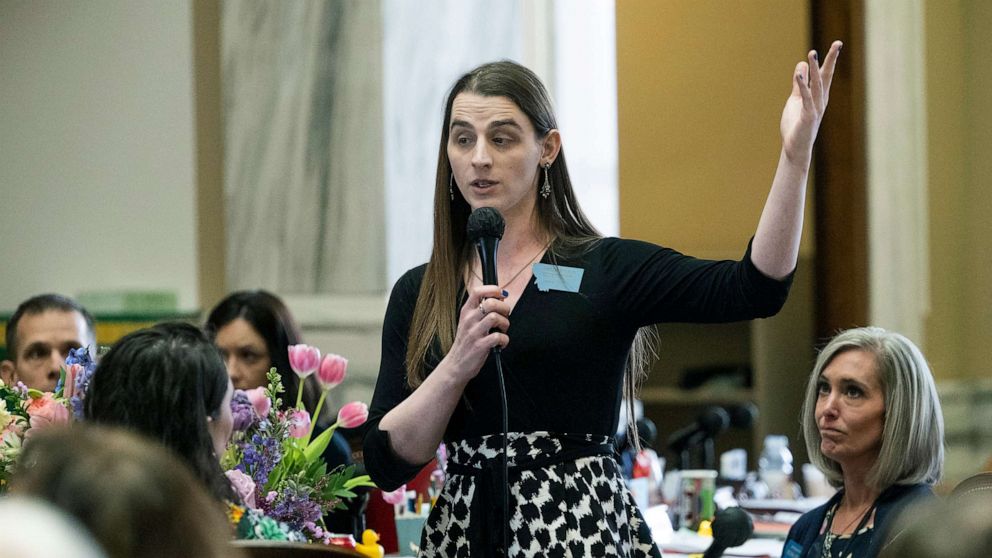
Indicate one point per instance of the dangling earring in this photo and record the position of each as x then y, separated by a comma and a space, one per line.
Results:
451, 187
546, 188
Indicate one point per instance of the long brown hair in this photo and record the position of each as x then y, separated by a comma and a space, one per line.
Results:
432, 329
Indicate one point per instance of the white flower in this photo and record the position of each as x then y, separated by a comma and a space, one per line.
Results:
10, 446
5, 416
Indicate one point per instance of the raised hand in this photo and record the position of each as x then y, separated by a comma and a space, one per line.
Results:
805, 107
483, 312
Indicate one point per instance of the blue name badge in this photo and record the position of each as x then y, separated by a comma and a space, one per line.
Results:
557, 277
792, 550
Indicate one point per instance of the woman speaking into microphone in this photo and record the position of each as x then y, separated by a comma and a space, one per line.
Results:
565, 313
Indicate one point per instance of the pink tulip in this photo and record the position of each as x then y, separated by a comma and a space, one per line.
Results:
332, 371
299, 423
259, 401
395, 497
69, 388
353, 414
304, 359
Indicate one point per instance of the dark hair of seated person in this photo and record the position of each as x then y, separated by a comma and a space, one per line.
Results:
134, 496
165, 382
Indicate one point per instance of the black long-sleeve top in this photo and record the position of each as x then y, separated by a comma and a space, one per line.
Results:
565, 361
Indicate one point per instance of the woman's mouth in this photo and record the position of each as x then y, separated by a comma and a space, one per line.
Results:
830, 432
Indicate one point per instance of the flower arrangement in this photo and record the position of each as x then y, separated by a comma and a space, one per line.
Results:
273, 460
24, 412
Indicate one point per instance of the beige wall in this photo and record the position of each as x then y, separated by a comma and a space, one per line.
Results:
96, 149
700, 89
959, 82
701, 86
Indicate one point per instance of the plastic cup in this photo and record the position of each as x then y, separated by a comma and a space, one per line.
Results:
696, 497
408, 528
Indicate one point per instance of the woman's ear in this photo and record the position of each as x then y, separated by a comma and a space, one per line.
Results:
552, 145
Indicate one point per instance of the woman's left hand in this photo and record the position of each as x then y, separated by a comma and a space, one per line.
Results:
805, 107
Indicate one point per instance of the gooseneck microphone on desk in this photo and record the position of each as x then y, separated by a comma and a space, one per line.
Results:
731, 527
485, 230
712, 421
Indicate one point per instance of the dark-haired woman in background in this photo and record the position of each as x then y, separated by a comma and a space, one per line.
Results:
253, 330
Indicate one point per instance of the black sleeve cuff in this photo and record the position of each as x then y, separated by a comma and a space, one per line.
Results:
771, 293
388, 470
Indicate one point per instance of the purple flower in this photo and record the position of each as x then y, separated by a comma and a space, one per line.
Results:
79, 356
21, 389
82, 357
261, 455
242, 410
295, 505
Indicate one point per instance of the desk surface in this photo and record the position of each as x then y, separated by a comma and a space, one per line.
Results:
685, 543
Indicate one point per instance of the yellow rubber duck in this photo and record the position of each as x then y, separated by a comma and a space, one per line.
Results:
370, 545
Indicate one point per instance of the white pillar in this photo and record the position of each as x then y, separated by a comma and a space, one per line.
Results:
897, 166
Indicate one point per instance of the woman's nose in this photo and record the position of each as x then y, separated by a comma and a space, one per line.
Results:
480, 155
233, 370
830, 406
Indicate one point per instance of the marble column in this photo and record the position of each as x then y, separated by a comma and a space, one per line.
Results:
302, 88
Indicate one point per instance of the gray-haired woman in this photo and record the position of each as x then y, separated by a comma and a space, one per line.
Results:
873, 425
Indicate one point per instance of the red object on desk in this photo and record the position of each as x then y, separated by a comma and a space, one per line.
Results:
642, 466
379, 515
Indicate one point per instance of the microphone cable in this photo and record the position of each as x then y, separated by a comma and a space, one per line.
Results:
504, 460
485, 228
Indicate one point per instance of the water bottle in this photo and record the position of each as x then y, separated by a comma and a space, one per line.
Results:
775, 467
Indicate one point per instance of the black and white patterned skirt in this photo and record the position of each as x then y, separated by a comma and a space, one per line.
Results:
567, 499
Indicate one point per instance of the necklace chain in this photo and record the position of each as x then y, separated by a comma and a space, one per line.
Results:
519, 271
829, 537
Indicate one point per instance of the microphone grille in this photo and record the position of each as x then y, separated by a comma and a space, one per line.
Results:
485, 222
732, 527
714, 420
743, 415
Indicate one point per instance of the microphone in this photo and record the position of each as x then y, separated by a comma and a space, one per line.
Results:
709, 423
485, 229
647, 432
731, 527
742, 415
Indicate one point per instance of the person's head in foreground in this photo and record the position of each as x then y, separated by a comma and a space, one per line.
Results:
134, 496
959, 526
33, 528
